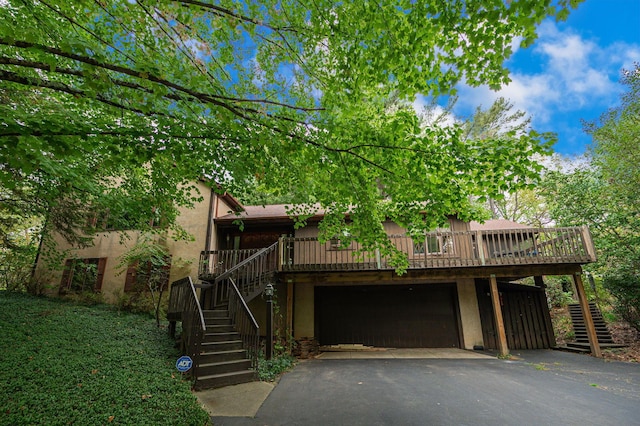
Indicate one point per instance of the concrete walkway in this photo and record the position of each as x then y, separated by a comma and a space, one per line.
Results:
242, 400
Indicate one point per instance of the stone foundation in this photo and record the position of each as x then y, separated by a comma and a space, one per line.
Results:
305, 347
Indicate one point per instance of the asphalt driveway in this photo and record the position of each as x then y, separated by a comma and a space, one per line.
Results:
539, 388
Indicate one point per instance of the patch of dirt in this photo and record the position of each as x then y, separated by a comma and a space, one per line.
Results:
624, 334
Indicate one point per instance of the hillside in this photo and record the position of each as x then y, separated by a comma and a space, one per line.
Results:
63, 363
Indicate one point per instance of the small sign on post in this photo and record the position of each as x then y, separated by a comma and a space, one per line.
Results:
184, 363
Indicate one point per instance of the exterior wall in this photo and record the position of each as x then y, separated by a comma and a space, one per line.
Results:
111, 245
469, 314
304, 311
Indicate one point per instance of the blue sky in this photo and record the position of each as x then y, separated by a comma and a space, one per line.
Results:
571, 72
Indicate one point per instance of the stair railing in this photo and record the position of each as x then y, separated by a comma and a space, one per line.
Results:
250, 276
184, 306
246, 324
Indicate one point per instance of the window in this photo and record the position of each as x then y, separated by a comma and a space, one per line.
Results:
106, 220
340, 241
433, 244
138, 278
83, 274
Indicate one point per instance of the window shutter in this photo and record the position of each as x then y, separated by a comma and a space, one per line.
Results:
130, 280
67, 274
102, 263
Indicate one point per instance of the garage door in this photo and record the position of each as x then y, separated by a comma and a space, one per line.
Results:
422, 316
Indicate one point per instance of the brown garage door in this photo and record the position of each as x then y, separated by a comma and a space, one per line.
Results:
419, 316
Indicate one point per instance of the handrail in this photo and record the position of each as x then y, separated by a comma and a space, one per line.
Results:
184, 306
214, 262
245, 262
244, 304
246, 325
251, 275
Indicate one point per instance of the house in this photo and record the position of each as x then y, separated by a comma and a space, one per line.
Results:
460, 289
96, 268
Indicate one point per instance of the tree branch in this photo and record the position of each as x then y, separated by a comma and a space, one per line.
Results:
220, 11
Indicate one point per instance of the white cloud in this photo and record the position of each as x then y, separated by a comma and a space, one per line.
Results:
572, 72
432, 113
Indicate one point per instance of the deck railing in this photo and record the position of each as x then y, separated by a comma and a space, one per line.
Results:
246, 324
446, 249
251, 275
215, 262
184, 306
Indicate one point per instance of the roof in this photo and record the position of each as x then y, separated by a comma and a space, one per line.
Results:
495, 225
278, 212
265, 213
231, 201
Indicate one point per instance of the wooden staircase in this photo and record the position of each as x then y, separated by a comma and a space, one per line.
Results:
219, 331
222, 359
580, 329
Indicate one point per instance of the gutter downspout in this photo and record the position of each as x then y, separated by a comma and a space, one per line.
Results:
207, 244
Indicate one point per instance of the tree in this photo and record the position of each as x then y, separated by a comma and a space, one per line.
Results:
150, 260
604, 195
123, 103
526, 204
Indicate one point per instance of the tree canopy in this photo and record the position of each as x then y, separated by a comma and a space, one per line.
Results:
603, 194
120, 104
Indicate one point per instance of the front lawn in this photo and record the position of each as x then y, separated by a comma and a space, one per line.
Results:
62, 363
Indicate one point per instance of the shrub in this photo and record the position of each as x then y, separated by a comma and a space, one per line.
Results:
559, 292
624, 285
269, 370
16, 265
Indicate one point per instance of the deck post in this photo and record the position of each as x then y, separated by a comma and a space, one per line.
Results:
480, 245
497, 316
588, 243
539, 281
290, 313
586, 314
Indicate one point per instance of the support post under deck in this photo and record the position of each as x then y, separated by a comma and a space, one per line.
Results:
497, 316
586, 314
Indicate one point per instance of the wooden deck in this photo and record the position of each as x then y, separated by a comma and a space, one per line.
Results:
437, 250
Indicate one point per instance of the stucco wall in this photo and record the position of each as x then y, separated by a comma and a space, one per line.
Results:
469, 313
112, 245
303, 313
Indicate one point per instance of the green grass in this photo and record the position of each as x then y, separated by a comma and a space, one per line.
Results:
68, 364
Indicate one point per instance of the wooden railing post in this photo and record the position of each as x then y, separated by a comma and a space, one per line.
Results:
480, 245
588, 243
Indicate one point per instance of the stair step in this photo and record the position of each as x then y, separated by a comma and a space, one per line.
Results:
220, 328
580, 328
215, 313
220, 356
216, 321
224, 379
214, 368
221, 346
220, 337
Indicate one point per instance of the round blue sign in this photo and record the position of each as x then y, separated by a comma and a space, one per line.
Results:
184, 363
